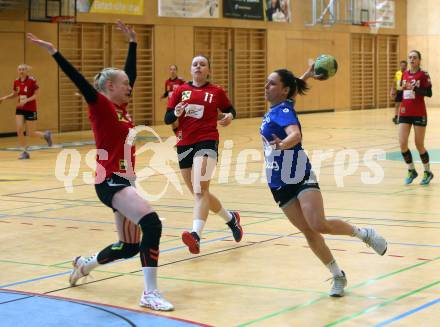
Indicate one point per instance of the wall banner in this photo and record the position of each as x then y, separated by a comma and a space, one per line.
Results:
243, 9
188, 8
126, 7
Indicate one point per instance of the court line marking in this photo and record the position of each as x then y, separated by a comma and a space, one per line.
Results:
78, 301
212, 231
380, 305
313, 301
407, 313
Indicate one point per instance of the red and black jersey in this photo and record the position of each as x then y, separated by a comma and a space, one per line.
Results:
199, 121
26, 89
171, 85
413, 104
111, 125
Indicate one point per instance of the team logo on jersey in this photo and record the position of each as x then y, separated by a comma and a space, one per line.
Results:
186, 95
286, 110
121, 117
122, 164
403, 110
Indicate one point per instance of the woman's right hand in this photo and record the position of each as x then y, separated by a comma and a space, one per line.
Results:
180, 108
127, 30
41, 43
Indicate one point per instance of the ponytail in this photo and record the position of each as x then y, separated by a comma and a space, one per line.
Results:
295, 84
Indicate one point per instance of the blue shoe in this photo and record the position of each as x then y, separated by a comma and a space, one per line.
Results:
427, 176
412, 175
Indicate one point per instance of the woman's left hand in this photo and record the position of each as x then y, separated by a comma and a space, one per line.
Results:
226, 119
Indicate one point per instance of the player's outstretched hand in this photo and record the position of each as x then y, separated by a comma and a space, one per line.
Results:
127, 30
41, 43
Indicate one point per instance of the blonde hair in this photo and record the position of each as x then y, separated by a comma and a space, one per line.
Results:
103, 76
24, 66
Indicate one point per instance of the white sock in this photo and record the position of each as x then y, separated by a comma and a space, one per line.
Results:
360, 233
411, 166
334, 268
225, 214
150, 278
198, 225
426, 166
91, 263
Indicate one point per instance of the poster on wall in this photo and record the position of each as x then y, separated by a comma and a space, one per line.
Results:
385, 13
268, 10
126, 7
277, 11
83, 5
188, 8
243, 9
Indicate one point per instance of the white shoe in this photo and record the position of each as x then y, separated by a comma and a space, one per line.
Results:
338, 285
78, 270
375, 241
155, 301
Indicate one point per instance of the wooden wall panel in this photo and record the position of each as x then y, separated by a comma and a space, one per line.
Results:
91, 47
10, 59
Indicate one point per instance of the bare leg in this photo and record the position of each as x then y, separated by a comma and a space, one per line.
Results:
404, 131
20, 126
314, 239
313, 209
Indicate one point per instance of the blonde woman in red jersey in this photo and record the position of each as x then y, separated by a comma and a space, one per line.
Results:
195, 106
107, 101
416, 85
26, 89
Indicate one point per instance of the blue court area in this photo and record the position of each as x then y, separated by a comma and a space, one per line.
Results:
434, 156
25, 309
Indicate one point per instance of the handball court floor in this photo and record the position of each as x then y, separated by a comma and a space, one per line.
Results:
270, 278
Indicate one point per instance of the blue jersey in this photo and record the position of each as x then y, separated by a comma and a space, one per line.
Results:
283, 167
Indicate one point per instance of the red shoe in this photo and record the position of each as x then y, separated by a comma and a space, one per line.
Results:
234, 225
192, 241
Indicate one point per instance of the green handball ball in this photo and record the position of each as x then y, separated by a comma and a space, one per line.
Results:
326, 65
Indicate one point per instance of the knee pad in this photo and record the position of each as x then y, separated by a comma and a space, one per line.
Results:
119, 250
151, 232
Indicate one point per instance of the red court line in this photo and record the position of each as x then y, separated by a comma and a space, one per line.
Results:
102, 304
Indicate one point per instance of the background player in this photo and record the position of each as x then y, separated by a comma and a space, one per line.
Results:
26, 89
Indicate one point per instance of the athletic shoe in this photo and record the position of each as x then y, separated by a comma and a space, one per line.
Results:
24, 155
427, 176
155, 301
192, 241
412, 175
375, 241
338, 285
234, 225
48, 137
78, 270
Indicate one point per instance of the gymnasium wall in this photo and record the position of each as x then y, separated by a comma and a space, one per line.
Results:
14, 51
424, 35
288, 45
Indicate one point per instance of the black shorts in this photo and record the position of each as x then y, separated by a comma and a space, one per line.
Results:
109, 187
28, 115
284, 195
186, 153
414, 120
399, 96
